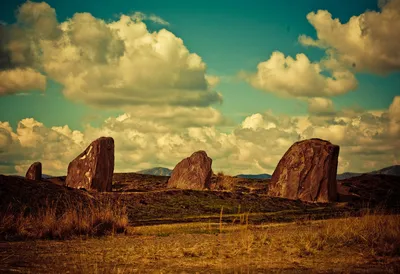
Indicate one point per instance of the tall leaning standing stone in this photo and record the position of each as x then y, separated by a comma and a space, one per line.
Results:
94, 167
307, 172
34, 172
193, 172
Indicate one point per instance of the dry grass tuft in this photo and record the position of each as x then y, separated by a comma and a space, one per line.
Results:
372, 234
106, 218
380, 233
220, 173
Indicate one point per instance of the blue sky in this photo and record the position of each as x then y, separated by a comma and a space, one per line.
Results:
230, 37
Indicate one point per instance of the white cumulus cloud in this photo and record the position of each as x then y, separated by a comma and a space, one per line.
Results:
299, 77
369, 42
114, 64
19, 80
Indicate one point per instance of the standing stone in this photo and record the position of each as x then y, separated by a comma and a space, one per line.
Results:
307, 172
34, 172
93, 168
193, 172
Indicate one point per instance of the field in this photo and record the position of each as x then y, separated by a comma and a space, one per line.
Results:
142, 227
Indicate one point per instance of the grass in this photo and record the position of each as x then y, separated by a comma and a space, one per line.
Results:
371, 234
105, 218
348, 244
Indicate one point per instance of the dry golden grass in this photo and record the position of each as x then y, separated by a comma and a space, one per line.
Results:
353, 244
370, 234
76, 219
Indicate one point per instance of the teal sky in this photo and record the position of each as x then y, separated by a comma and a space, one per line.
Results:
232, 38
229, 36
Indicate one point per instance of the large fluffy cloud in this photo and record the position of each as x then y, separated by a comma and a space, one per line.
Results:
168, 118
33, 141
20, 80
368, 140
394, 115
299, 77
370, 41
109, 64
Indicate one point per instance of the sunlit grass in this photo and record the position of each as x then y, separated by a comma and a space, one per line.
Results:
336, 244
374, 234
98, 219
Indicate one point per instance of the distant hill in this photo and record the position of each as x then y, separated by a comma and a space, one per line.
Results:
347, 175
159, 171
254, 176
391, 170
45, 176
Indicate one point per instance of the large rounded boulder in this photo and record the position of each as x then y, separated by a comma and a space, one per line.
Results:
193, 172
94, 167
307, 172
34, 172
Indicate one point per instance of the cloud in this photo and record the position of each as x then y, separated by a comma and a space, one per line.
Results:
368, 42
368, 140
20, 42
168, 119
257, 121
140, 16
20, 80
212, 80
320, 106
20, 67
40, 19
158, 20
114, 64
394, 116
32, 141
300, 77
166, 94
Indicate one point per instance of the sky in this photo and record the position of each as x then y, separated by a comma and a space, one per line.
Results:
242, 80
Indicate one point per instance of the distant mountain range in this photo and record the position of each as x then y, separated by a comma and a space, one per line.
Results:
45, 176
254, 176
159, 171
391, 170
162, 171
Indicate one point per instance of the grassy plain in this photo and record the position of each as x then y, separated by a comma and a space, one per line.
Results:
142, 227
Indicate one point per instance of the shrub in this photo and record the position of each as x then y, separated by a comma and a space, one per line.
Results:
95, 219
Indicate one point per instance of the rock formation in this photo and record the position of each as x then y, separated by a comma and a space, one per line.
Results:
34, 172
193, 172
307, 172
94, 167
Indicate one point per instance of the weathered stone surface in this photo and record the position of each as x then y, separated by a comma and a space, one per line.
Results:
34, 172
94, 167
307, 172
193, 172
